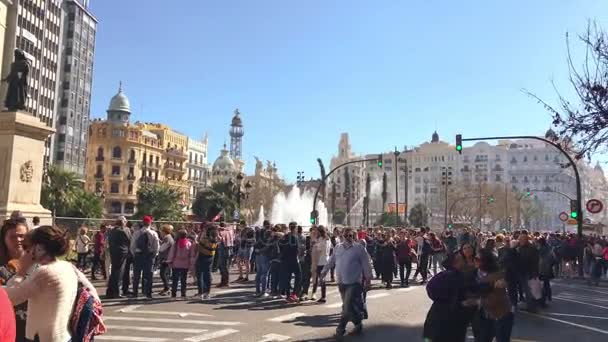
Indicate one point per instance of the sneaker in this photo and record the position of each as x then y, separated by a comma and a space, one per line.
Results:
313, 298
266, 295
258, 295
321, 301
358, 329
293, 299
205, 296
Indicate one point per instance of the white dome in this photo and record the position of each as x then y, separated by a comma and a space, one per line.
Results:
120, 102
224, 163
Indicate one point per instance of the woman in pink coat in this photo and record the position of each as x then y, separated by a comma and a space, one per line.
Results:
181, 258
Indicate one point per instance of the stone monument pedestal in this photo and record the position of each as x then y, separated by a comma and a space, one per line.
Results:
22, 138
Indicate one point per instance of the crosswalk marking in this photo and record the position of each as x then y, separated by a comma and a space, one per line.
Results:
579, 302
377, 295
287, 317
169, 320
567, 323
222, 292
274, 338
211, 335
130, 338
573, 315
156, 329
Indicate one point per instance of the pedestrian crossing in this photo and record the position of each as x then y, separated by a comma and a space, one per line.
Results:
133, 324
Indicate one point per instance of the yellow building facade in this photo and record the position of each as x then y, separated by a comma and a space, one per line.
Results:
122, 157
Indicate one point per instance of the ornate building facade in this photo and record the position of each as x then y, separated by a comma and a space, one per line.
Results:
123, 156
199, 171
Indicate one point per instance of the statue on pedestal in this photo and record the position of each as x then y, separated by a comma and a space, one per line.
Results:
16, 94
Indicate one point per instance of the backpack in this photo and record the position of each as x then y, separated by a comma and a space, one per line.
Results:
86, 319
426, 247
404, 251
144, 243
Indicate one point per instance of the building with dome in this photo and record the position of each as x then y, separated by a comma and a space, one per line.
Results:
224, 168
123, 156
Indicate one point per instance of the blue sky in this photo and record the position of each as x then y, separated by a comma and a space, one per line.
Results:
302, 72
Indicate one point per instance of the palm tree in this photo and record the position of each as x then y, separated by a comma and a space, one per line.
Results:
212, 201
161, 201
60, 190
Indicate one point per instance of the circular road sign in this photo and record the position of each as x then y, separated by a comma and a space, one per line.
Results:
594, 206
563, 216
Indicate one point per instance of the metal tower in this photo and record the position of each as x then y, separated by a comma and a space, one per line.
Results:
236, 136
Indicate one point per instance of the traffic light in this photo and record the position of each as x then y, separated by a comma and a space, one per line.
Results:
528, 193
313, 217
450, 225
459, 143
380, 163
573, 209
491, 199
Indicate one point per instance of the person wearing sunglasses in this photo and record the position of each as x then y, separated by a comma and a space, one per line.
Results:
352, 264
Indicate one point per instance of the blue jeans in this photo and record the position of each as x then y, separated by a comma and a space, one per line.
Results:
142, 267
203, 271
351, 295
499, 328
261, 274
289, 267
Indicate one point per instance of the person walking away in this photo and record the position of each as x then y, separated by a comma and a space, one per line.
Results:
166, 235
320, 255
207, 246
119, 241
528, 264
305, 265
450, 243
50, 289
12, 247
224, 253
404, 258
99, 252
424, 253
275, 262
243, 257
266, 250
495, 318
352, 264
290, 265
180, 258
597, 264
386, 258
82, 247
547, 262
336, 238
144, 247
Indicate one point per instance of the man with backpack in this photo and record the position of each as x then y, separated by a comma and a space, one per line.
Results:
144, 247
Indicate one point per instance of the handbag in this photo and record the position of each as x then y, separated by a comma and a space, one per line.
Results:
536, 288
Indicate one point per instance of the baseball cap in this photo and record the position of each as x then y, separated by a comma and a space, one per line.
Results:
147, 219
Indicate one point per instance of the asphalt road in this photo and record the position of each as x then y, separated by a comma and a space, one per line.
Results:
578, 313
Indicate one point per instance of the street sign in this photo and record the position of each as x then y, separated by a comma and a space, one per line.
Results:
594, 206
572, 222
402, 208
563, 216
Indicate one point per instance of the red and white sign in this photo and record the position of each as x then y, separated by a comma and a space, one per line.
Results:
594, 206
563, 216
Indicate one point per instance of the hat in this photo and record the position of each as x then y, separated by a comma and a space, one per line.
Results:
147, 219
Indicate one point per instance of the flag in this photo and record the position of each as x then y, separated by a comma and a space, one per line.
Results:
218, 216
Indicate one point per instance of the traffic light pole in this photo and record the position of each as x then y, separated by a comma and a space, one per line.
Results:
557, 192
579, 196
314, 214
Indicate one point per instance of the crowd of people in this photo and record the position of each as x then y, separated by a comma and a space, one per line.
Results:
474, 279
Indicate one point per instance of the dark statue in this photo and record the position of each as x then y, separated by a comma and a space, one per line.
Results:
16, 94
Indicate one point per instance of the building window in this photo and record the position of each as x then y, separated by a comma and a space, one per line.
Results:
116, 152
114, 188
525, 159
115, 170
130, 189
99, 171
100, 153
129, 208
132, 156
116, 207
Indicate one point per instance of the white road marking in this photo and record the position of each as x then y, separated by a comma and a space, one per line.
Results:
274, 338
605, 332
287, 317
155, 329
129, 338
579, 302
129, 308
334, 305
582, 288
168, 320
406, 289
228, 291
377, 295
573, 315
583, 297
211, 335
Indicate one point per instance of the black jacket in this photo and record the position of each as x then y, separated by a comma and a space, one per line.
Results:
119, 239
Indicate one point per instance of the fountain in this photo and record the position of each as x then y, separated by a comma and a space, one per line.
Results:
260, 221
296, 206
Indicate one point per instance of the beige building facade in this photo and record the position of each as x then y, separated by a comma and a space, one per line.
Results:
122, 157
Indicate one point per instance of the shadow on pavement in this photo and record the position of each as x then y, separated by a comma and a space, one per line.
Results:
317, 321
379, 332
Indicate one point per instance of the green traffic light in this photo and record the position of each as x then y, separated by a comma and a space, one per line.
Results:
380, 164
458, 147
574, 214
528, 194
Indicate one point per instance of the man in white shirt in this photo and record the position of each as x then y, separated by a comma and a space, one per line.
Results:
145, 245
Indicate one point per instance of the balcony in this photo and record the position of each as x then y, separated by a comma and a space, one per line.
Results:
150, 165
173, 167
99, 158
177, 183
177, 153
132, 161
99, 177
131, 177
